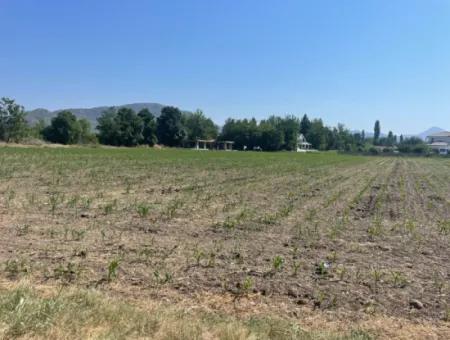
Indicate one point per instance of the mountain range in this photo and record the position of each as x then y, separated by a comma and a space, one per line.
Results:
425, 134
422, 135
91, 114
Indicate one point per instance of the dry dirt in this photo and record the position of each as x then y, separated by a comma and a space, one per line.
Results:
340, 239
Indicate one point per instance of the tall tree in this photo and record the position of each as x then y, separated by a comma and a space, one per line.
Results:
244, 132
199, 127
319, 135
64, 129
376, 132
13, 125
37, 129
121, 127
130, 127
169, 128
149, 128
390, 139
290, 127
271, 137
305, 125
86, 135
108, 130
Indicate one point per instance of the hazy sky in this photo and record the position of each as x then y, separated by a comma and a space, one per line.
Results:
345, 61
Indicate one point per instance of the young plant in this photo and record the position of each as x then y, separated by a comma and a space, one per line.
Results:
376, 229
112, 269
73, 202
447, 315
376, 275
322, 268
277, 263
248, 284
410, 226
229, 223
53, 200
199, 254
341, 271
269, 219
444, 227
143, 210
109, 208
211, 259
172, 208
162, 279
15, 267
22, 229
398, 279
87, 203
295, 267
66, 273
332, 257
78, 235
10, 197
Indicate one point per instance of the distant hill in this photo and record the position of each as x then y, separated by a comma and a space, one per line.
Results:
91, 114
426, 133
423, 135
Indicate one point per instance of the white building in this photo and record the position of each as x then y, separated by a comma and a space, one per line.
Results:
440, 142
302, 144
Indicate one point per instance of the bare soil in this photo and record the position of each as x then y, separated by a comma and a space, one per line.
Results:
348, 238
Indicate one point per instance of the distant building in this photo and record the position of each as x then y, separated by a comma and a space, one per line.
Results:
302, 144
212, 144
440, 142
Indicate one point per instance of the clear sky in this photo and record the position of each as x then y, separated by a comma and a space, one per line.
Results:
345, 61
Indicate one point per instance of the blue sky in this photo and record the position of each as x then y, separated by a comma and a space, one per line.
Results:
345, 61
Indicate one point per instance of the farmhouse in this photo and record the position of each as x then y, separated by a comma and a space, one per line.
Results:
302, 144
440, 142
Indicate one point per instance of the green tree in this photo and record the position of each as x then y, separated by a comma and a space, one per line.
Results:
305, 125
130, 127
413, 145
86, 135
376, 132
244, 132
390, 140
64, 129
108, 130
149, 127
318, 135
37, 129
199, 127
169, 128
271, 136
342, 139
290, 127
13, 124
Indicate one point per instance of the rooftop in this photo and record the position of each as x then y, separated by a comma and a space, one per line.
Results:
439, 144
440, 134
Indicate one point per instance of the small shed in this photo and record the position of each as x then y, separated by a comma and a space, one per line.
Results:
204, 144
226, 145
212, 144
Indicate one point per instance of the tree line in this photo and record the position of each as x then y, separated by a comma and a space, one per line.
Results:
174, 128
